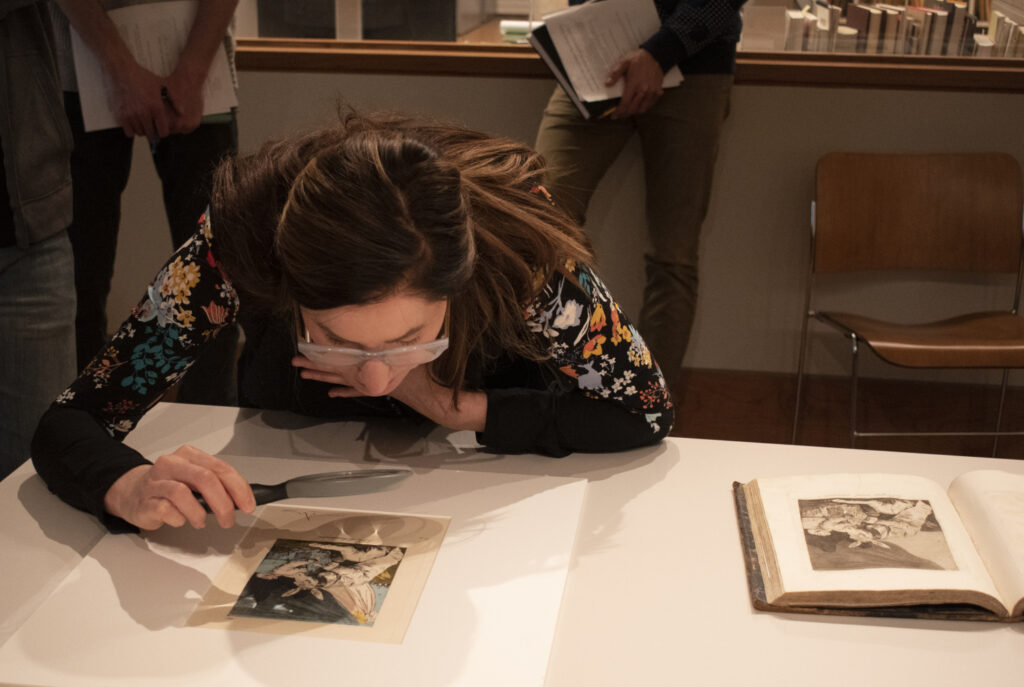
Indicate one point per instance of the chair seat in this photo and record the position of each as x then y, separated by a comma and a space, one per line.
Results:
989, 339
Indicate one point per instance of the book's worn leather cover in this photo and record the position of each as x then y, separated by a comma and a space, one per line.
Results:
758, 598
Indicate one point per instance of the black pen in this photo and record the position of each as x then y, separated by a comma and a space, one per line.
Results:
166, 97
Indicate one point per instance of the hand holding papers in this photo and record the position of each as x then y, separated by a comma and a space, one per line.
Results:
583, 44
155, 34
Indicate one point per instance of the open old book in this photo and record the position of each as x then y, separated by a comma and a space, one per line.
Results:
886, 544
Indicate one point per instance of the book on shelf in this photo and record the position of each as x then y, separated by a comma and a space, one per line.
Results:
956, 22
1002, 30
582, 44
1015, 48
885, 545
828, 23
966, 47
898, 27
793, 32
867, 19
888, 30
983, 45
958, 28
932, 35
919, 28
937, 35
846, 39
800, 30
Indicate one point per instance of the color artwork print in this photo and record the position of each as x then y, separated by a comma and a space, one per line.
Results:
320, 582
859, 533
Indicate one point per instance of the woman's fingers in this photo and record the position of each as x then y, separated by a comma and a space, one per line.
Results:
217, 480
176, 505
164, 493
191, 470
308, 370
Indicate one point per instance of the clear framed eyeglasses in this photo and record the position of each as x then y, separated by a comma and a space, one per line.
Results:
403, 356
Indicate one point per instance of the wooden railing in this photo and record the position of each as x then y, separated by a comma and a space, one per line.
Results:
519, 61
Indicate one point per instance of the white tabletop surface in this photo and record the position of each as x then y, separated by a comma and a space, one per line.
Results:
656, 592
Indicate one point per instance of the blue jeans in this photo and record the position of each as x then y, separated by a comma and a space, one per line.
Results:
100, 165
37, 339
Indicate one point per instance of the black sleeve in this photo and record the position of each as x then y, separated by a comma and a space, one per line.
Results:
92, 461
529, 421
77, 447
610, 395
691, 26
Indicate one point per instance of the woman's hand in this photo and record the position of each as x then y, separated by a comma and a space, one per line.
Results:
430, 399
340, 381
416, 390
150, 496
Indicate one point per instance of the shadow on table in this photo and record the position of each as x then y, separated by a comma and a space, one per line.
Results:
614, 479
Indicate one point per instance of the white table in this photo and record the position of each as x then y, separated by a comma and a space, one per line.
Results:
656, 593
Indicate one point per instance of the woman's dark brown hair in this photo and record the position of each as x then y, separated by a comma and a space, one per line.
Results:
355, 212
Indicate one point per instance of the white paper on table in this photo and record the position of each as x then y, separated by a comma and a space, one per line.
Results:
155, 34
592, 38
486, 615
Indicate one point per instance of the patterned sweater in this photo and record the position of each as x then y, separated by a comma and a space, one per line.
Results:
599, 389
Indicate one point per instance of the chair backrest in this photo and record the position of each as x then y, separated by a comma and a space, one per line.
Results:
958, 211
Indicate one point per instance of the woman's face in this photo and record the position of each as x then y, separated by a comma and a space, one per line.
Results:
397, 321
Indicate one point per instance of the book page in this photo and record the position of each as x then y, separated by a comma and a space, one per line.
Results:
991, 505
592, 38
871, 532
155, 34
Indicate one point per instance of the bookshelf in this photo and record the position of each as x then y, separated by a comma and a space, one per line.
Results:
934, 28
479, 50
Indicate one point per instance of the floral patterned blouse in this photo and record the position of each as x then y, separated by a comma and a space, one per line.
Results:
599, 390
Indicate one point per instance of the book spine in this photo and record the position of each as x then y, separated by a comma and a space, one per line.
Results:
982, 45
792, 35
557, 72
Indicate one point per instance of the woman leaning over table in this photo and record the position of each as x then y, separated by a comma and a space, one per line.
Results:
422, 271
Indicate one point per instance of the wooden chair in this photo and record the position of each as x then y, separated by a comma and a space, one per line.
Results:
878, 214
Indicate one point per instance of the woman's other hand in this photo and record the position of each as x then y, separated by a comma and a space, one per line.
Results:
428, 398
150, 496
415, 389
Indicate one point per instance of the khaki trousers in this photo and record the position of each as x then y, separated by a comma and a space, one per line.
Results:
679, 140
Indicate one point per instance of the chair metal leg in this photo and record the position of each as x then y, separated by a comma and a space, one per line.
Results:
853, 390
800, 378
999, 414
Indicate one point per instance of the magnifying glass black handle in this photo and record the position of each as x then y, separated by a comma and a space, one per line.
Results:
264, 493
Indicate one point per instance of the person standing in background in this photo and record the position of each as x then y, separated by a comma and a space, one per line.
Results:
186, 148
679, 131
37, 296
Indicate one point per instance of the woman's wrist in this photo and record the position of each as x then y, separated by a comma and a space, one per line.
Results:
437, 403
114, 499
471, 413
